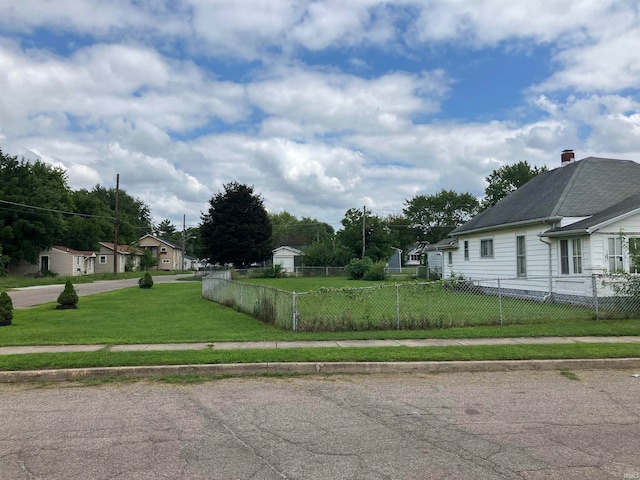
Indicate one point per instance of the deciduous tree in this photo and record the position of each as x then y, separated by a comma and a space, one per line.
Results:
437, 215
236, 229
507, 179
25, 231
377, 237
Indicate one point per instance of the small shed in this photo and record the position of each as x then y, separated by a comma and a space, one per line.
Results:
395, 261
288, 257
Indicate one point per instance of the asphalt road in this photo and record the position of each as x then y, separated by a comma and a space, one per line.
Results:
518, 425
31, 296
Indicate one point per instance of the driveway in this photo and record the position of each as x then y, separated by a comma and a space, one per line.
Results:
511, 425
32, 296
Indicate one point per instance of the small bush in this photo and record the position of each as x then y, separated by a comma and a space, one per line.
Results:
68, 298
270, 272
377, 272
146, 281
357, 268
6, 309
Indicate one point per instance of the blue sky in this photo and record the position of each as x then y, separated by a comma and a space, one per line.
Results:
322, 105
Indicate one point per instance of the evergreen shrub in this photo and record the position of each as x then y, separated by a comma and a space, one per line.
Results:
146, 281
6, 309
68, 298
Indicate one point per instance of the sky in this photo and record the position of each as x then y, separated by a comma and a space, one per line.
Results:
321, 105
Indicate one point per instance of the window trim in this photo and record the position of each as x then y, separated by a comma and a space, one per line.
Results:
521, 256
449, 258
483, 242
635, 241
466, 249
103, 259
570, 262
617, 241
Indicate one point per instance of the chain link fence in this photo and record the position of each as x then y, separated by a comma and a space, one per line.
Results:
428, 305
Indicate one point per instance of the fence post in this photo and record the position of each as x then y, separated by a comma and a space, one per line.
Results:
294, 309
398, 305
594, 283
500, 301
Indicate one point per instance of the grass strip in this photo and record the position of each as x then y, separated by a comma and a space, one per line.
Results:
105, 358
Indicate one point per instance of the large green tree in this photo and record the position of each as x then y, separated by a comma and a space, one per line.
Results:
377, 236
25, 231
95, 218
436, 215
236, 229
288, 230
507, 179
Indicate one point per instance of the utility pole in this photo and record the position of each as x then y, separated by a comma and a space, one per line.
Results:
364, 219
116, 222
184, 238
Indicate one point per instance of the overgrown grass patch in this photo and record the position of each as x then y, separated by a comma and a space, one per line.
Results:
376, 354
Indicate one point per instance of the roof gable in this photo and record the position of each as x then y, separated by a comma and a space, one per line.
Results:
286, 249
162, 240
579, 189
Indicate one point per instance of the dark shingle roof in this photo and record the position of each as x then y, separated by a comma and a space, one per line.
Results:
579, 189
627, 205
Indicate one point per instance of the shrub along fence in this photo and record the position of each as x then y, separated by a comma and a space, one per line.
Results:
424, 305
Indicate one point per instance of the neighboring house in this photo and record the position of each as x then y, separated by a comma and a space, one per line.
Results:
60, 260
580, 219
434, 256
66, 261
288, 257
414, 256
168, 254
128, 258
192, 263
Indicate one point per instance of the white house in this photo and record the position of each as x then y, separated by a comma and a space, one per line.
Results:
579, 219
287, 257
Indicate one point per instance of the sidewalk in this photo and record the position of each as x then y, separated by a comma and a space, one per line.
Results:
316, 344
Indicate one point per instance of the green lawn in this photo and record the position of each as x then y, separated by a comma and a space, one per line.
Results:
174, 312
378, 354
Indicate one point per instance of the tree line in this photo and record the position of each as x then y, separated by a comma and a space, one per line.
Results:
237, 229
38, 210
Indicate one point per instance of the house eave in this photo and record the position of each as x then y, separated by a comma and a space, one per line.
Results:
505, 226
593, 228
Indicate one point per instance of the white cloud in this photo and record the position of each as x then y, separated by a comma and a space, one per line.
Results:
300, 100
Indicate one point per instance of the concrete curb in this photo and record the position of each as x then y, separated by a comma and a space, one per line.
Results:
241, 369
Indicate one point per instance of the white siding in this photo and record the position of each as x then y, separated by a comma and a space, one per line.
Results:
503, 262
629, 227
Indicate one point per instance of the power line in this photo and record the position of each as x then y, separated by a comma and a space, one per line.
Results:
87, 215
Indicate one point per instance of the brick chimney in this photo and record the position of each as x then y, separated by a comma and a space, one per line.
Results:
567, 157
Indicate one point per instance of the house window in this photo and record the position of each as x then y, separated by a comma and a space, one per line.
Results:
615, 254
571, 256
103, 259
466, 249
486, 248
634, 255
163, 249
449, 258
577, 255
521, 256
166, 260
